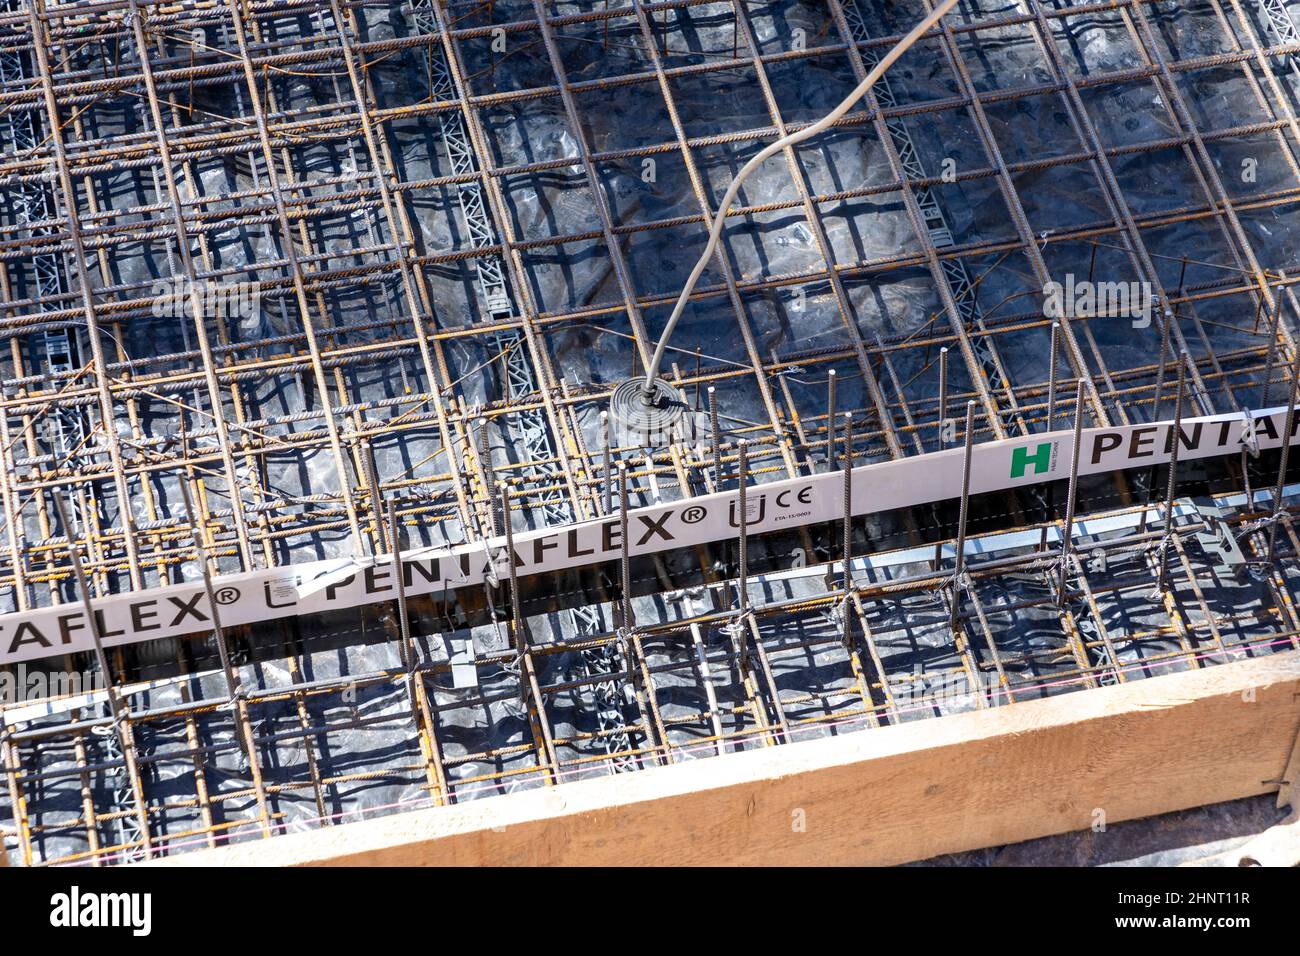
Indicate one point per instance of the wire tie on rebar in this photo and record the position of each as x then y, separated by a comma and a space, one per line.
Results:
113, 726
1249, 439
624, 634
736, 627
1257, 525
955, 582
840, 612
964, 581
1281, 516
1166, 539
1063, 560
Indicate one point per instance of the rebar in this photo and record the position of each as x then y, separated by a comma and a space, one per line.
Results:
429, 271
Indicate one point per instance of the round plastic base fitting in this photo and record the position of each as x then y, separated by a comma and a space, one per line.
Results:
647, 419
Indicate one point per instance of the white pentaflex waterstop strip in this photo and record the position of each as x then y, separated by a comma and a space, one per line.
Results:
183, 609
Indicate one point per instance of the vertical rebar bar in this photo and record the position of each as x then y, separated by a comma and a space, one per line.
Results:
1271, 356
489, 475
943, 397
517, 630
607, 474
625, 555
1051, 378
1160, 365
1071, 497
847, 584
1284, 457
1171, 484
399, 582
962, 515
742, 519
715, 433
699, 364
376, 505
830, 420
741, 622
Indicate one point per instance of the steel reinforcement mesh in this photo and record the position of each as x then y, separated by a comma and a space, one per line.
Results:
290, 259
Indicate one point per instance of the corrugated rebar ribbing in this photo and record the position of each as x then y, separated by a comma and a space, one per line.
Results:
315, 264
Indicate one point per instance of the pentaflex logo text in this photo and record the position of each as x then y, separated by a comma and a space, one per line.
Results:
180, 610
75, 909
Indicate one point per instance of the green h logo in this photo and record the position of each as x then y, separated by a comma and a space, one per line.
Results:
1041, 459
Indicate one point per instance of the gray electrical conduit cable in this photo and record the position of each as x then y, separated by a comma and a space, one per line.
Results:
808, 132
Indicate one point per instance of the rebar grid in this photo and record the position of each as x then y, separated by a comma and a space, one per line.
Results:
794, 671
402, 184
